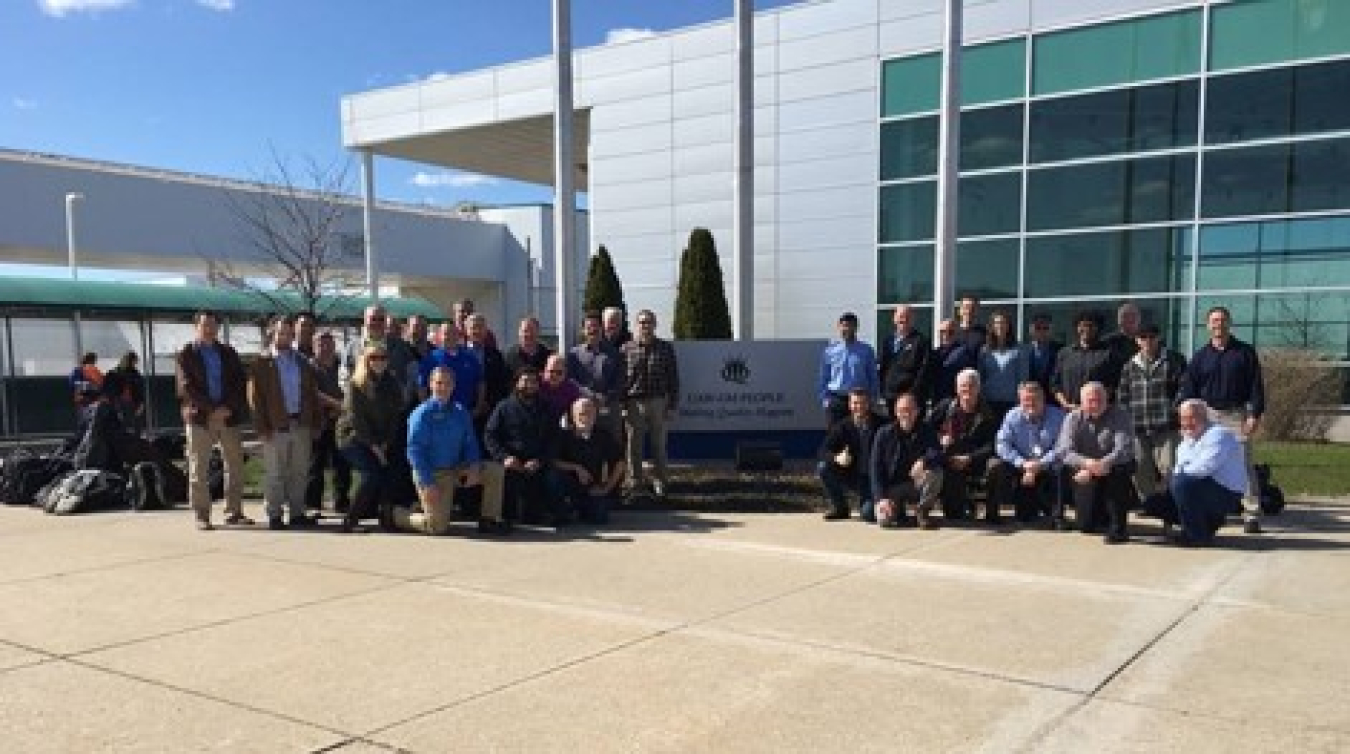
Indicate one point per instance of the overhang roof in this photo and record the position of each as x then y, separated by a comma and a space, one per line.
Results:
519, 150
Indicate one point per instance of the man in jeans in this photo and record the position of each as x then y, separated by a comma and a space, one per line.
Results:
1148, 391
1225, 373
651, 395
212, 386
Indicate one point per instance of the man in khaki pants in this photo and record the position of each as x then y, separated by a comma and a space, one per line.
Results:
211, 386
283, 391
1226, 374
651, 396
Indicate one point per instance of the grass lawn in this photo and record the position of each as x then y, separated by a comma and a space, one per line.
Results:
1301, 468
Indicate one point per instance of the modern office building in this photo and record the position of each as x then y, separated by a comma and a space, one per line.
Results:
1176, 153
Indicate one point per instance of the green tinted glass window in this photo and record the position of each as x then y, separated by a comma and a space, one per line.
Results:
1153, 189
1301, 177
991, 137
993, 72
909, 148
1257, 32
911, 85
1115, 121
907, 212
1315, 320
905, 274
1137, 49
988, 269
990, 204
1113, 262
1275, 254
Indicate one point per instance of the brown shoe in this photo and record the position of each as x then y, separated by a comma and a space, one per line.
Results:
238, 519
926, 521
204, 524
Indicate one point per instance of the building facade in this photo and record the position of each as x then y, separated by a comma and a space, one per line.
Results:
1174, 153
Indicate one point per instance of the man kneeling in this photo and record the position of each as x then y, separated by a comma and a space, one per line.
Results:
444, 455
1210, 476
588, 467
905, 466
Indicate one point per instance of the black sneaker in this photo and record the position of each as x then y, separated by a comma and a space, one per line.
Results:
1252, 527
1115, 539
837, 514
276, 524
304, 522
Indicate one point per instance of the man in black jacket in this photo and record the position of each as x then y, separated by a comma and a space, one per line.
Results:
521, 436
904, 360
966, 428
1087, 360
845, 458
905, 466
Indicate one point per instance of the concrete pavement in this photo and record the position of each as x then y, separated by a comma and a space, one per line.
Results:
671, 632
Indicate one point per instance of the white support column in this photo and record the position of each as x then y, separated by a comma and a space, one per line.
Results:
368, 223
744, 189
949, 153
564, 172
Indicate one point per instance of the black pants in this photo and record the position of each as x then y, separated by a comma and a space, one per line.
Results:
1105, 499
836, 409
1044, 498
526, 497
323, 453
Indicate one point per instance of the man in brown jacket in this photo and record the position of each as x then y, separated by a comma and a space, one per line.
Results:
283, 392
211, 386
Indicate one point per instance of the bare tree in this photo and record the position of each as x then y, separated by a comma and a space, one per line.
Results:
291, 227
1302, 381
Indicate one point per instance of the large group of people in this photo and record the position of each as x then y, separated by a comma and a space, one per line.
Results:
1096, 428
434, 421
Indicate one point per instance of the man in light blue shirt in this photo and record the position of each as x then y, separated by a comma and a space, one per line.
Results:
1027, 463
1210, 475
847, 364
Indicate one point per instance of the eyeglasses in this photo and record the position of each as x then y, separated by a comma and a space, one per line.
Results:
646, 322
374, 357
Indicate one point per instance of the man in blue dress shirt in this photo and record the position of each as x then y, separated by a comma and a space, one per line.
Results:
1210, 476
847, 364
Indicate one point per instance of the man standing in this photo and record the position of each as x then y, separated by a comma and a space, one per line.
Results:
418, 337
597, 367
1123, 342
1041, 353
905, 468
461, 312
212, 387
846, 458
971, 331
965, 427
847, 364
1210, 476
284, 396
305, 329
402, 365
1226, 374
1097, 446
327, 372
520, 436
528, 351
1026, 470
904, 359
950, 357
1087, 360
651, 396
469, 390
616, 328
1148, 390
496, 380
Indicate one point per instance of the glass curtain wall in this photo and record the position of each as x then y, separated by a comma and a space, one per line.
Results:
1130, 160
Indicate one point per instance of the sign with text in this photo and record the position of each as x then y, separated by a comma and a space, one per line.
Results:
730, 386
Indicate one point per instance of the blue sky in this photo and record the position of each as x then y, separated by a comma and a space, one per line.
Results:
218, 86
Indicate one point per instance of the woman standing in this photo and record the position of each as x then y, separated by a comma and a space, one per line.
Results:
372, 416
1003, 366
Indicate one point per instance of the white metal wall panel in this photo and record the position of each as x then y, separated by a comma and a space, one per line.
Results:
699, 187
627, 141
701, 41
635, 195
842, 170
455, 89
711, 69
828, 80
829, 110
634, 167
456, 115
856, 202
826, 49
624, 86
819, 18
1051, 14
530, 74
525, 104
704, 158
837, 235
714, 215
843, 139
705, 100
635, 112
704, 129
645, 220
636, 55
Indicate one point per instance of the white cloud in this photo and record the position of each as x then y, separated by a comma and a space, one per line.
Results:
452, 179
60, 8
624, 34
220, 5
21, 103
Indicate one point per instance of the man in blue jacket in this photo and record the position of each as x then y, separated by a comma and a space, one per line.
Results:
444, 455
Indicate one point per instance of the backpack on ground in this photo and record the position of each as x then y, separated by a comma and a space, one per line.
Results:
10, 473
1271, 496
25, 474
84, 491
144, 489
171, 446
174, 483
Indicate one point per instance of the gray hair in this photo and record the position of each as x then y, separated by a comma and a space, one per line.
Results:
969, 374
611, 311
1093, 387
1199, 408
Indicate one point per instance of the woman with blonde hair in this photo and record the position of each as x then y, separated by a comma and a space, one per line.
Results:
371, 419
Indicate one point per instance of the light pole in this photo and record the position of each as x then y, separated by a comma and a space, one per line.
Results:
71, 198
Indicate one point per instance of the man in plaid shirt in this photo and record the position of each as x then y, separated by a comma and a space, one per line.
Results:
1148, 392
651, 395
